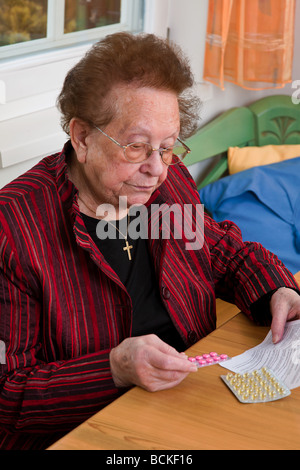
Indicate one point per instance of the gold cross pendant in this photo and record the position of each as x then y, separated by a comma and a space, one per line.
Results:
128, 248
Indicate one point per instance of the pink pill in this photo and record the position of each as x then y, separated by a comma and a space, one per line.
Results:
213, 354
209, 360
202, 362
192, 359
216, 358
223, 356
205, 356
199, 358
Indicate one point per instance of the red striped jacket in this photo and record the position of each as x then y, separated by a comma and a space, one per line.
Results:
63, 308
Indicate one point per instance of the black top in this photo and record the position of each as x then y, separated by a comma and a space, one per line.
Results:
138, 276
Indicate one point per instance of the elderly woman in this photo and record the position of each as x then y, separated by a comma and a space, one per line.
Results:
85, 317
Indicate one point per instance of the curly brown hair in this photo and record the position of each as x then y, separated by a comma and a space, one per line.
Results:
124, 58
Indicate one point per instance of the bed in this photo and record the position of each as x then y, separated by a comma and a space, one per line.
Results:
254, 179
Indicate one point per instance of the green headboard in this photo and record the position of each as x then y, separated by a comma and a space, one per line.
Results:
274, 120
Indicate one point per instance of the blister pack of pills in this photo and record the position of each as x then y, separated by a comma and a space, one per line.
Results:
209, 359
258, 386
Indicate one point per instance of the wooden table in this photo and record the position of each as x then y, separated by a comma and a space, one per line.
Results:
200, 413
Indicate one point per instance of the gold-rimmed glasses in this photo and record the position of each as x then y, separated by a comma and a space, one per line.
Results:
138, 152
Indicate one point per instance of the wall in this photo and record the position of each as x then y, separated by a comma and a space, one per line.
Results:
32, 92
187, 23
29, 120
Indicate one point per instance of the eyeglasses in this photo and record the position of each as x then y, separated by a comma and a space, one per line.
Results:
138, 152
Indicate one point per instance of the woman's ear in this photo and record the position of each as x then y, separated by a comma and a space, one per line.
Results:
79, 130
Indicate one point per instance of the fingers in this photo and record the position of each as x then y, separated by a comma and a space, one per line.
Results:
277, 328
154, 378
285, 306
165, 367
279, 310
148, 362
170, 360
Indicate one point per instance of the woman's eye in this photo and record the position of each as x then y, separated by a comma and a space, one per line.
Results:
138, 146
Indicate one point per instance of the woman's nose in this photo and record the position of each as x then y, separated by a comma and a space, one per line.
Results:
154, 164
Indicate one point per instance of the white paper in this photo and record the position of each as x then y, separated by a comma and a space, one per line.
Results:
282, 358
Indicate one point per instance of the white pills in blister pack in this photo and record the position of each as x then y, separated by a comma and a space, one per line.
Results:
258, 386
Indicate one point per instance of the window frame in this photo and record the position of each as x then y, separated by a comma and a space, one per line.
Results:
131, 20
30, 81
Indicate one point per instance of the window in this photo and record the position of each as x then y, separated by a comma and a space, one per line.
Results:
40, 40
34, 25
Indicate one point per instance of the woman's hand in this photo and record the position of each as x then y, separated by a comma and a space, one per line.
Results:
285, 306
148, 362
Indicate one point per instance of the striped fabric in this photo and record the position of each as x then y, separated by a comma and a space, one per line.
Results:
63, 308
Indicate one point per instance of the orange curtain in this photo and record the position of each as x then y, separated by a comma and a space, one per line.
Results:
250, 43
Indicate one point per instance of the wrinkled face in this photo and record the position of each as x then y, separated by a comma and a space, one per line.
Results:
143, 115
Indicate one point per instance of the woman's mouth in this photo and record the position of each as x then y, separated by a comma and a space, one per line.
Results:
142, 188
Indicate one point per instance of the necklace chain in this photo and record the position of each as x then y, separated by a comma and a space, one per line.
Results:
127, 246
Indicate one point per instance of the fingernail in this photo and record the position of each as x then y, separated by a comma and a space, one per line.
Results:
275, 339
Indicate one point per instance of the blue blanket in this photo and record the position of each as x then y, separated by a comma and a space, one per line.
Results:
265, 203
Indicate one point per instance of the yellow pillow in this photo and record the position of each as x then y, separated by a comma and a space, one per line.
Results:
240, 159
